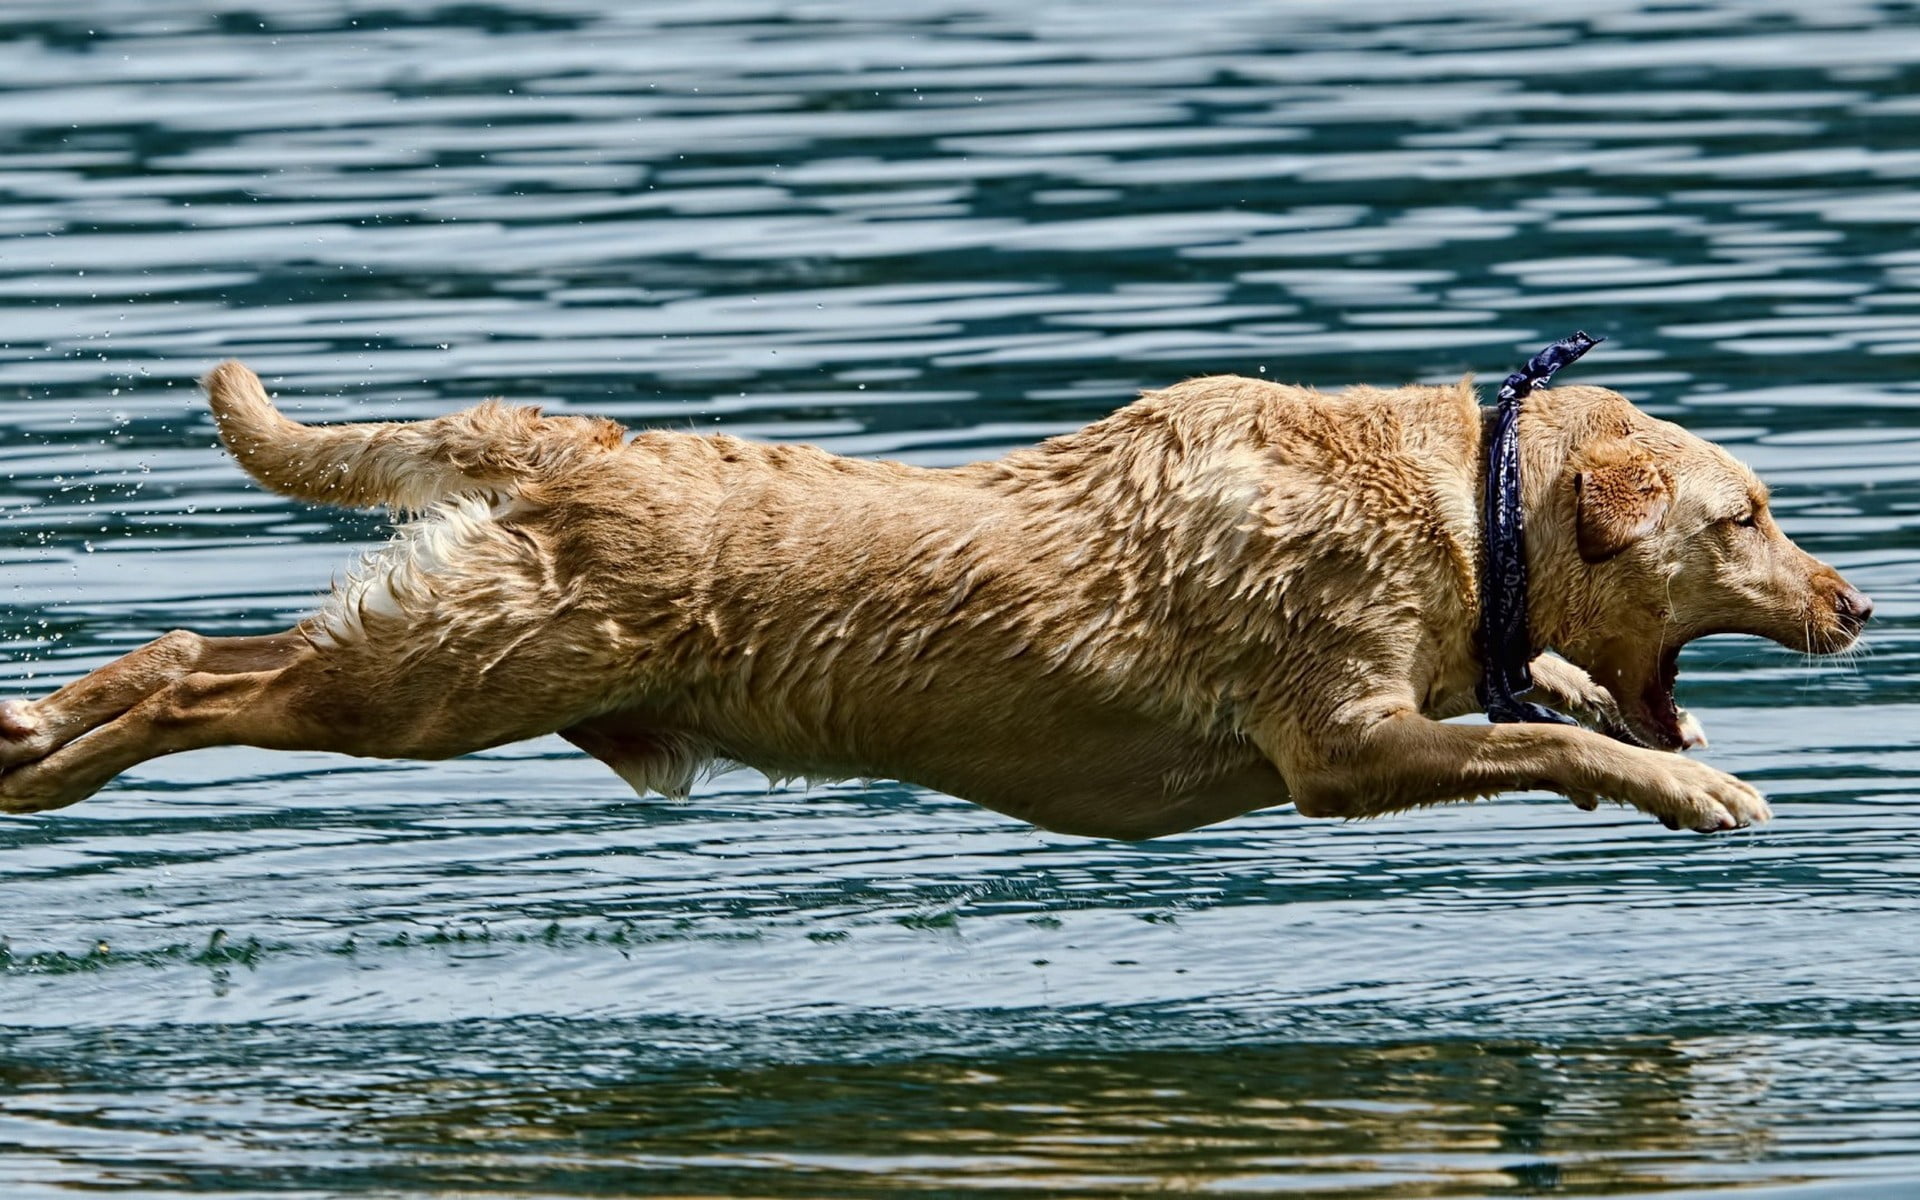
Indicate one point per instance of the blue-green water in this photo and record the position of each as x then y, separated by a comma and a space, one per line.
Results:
932, 230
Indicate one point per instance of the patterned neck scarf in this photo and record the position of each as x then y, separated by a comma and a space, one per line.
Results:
1506, 645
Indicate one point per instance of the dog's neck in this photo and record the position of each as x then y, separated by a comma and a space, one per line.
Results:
1505, 638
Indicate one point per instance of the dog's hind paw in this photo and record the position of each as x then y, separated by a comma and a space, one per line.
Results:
42, 785
16, 719
22, 738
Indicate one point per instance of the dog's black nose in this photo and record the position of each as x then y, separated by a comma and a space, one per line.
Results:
1853, 605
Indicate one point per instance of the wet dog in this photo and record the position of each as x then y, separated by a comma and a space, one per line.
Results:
1227, 595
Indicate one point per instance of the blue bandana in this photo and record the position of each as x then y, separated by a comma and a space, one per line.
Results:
1506, 646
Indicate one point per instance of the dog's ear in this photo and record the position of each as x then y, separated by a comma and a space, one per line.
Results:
1619, 497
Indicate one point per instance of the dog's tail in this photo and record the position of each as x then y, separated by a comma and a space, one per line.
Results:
406, 465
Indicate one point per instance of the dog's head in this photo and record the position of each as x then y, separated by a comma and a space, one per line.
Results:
1653, 537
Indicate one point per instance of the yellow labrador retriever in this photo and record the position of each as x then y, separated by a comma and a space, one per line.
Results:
1227, 595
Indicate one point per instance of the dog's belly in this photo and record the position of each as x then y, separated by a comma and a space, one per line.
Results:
1097, 772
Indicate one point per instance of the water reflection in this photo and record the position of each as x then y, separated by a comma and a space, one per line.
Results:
570, 1109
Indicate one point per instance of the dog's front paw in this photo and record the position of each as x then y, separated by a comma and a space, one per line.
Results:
1692, 795
1561, 683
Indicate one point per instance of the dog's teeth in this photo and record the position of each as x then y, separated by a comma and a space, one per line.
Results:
1692, 737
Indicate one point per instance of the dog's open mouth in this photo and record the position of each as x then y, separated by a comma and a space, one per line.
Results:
1651, 716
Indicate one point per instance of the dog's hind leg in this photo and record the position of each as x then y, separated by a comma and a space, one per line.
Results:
287, 692
461, 635
33, 729
475, 669
157, 700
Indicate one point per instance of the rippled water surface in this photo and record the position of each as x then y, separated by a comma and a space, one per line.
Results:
933, 231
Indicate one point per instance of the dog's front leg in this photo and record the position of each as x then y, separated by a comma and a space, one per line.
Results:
1384, 757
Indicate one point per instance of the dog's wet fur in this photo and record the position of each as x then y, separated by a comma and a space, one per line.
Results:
1227, 595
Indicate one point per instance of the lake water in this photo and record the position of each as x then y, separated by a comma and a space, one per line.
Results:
934, 230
